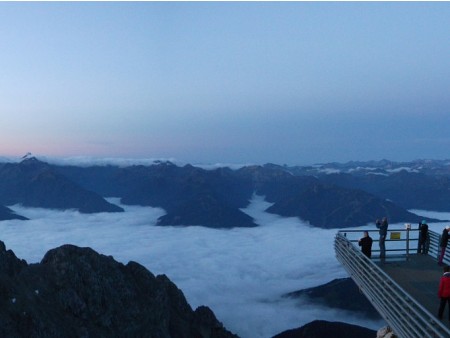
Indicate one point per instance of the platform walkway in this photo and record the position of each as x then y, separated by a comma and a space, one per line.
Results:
419, 276
404, 288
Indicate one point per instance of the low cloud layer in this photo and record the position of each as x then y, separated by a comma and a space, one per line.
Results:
240, 273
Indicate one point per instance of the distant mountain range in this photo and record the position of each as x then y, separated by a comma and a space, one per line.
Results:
33, 183
326, 196
414, 185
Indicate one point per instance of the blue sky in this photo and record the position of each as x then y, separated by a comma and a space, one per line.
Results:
230, 82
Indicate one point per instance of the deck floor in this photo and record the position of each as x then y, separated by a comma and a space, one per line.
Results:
419, 276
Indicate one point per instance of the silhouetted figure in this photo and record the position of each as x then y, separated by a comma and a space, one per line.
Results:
383, 226
443, 244
423, 238
366, 244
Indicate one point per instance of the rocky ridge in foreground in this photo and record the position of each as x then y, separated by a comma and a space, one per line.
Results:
77, 292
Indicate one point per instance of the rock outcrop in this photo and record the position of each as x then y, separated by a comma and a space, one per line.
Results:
76, 292
340, 293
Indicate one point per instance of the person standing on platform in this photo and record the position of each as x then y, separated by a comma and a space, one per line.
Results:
443, 244
444, 292
366, 244
423, 238
383, 226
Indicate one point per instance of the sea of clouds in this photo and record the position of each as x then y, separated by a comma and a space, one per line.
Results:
241, 274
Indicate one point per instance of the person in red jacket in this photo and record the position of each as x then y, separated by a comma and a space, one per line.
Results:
444, 292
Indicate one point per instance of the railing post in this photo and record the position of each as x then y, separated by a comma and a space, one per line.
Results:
408, 228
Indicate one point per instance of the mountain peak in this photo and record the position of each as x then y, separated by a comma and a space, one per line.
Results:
27, 155
31, 160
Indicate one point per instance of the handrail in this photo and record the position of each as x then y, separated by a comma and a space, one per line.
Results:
407, 317
409, 238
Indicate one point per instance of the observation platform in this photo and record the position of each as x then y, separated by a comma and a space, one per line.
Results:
403, 288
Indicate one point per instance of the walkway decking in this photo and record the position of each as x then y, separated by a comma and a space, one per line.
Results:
419, 276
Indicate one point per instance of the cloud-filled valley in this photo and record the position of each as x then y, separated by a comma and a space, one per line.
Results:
241, 273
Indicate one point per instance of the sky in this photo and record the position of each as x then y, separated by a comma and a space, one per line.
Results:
238, 273
234, 82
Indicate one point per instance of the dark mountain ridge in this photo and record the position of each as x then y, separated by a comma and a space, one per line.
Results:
33, 183
7, 214
214, 198
327, 205
76, 292
340, 293
420, 184
407, 189
383, 167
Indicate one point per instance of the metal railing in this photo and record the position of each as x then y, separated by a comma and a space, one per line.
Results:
404, 314
434, 249
400, 249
